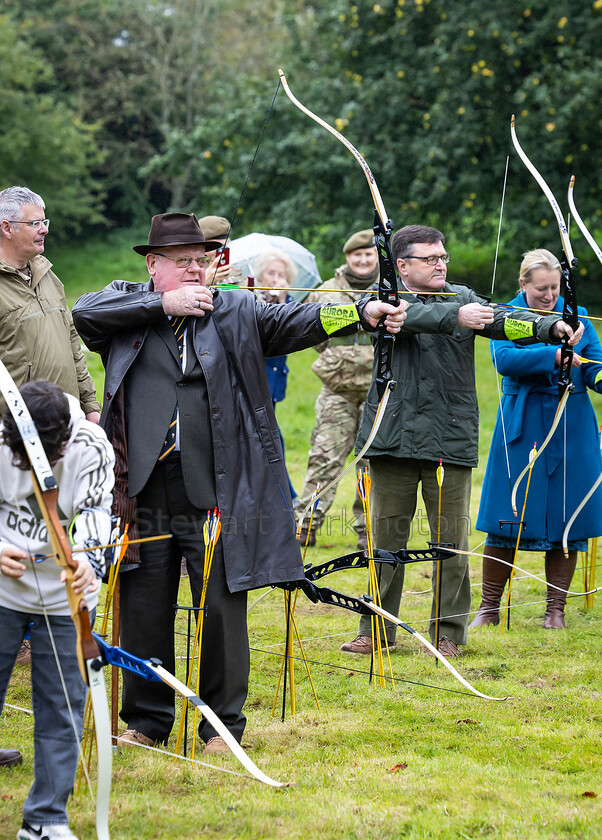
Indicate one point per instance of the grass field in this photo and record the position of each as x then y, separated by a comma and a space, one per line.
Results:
420, 759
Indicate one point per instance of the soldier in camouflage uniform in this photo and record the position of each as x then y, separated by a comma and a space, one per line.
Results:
345, 368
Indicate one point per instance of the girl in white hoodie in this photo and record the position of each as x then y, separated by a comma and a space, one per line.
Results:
32, 593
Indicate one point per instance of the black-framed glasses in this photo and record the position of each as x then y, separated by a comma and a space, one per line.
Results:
432, 260
35, 224
186, 262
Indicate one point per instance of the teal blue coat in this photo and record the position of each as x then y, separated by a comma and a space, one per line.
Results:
529, 402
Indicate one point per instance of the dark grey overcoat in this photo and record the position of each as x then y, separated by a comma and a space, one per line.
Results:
258, 533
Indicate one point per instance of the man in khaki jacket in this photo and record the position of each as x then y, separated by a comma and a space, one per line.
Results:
37, 337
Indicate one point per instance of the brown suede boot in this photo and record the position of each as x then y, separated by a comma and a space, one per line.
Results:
495, 576
559, 571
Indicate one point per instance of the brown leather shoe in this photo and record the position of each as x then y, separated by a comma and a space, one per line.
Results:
216, 745
10, 758
304, 539
24, 655
363, 644
132, 736
447, 648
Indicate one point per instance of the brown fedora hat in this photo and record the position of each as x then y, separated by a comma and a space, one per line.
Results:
175, 229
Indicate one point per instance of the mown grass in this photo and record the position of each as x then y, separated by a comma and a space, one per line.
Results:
422, 759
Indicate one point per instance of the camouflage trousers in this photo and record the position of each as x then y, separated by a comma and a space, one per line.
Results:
333, 438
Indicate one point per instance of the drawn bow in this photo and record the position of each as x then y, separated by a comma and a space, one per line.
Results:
387, 291
569, 312
595, 248
88, 654
365, 605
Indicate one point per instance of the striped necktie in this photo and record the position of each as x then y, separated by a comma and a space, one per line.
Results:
178, 325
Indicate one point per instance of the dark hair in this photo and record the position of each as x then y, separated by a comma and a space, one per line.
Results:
49, 409
409, 235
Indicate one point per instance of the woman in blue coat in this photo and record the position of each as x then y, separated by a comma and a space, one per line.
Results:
567, 468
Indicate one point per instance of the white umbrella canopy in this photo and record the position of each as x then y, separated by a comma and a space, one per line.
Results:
244, 252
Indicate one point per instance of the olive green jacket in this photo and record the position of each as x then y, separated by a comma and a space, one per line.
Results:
433, 411
37, 337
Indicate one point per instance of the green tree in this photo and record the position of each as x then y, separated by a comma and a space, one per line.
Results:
148, 73
45, 145
178, 92
435, 85
425, 89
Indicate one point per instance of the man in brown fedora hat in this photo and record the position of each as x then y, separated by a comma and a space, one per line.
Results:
208, 379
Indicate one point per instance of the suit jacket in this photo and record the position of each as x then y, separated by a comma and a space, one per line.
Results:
155, 384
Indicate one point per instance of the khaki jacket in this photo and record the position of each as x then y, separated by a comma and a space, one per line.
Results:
38, 339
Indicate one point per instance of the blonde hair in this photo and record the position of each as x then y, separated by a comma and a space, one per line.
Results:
533, 260
263, 260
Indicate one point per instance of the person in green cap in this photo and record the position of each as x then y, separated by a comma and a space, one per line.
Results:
219, 272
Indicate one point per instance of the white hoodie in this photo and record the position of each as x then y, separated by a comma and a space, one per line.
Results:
85, 477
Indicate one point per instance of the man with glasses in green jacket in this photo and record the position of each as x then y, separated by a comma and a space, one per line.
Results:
432, 419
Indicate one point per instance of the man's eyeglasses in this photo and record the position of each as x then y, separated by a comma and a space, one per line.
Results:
432, 260
35, 224
186, 262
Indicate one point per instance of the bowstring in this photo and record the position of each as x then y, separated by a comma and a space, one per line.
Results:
503, 422
499, 227
492, 343
564, 469
349, 670
234, 216
256, 152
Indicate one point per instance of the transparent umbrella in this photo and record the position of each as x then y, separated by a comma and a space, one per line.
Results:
244, 252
